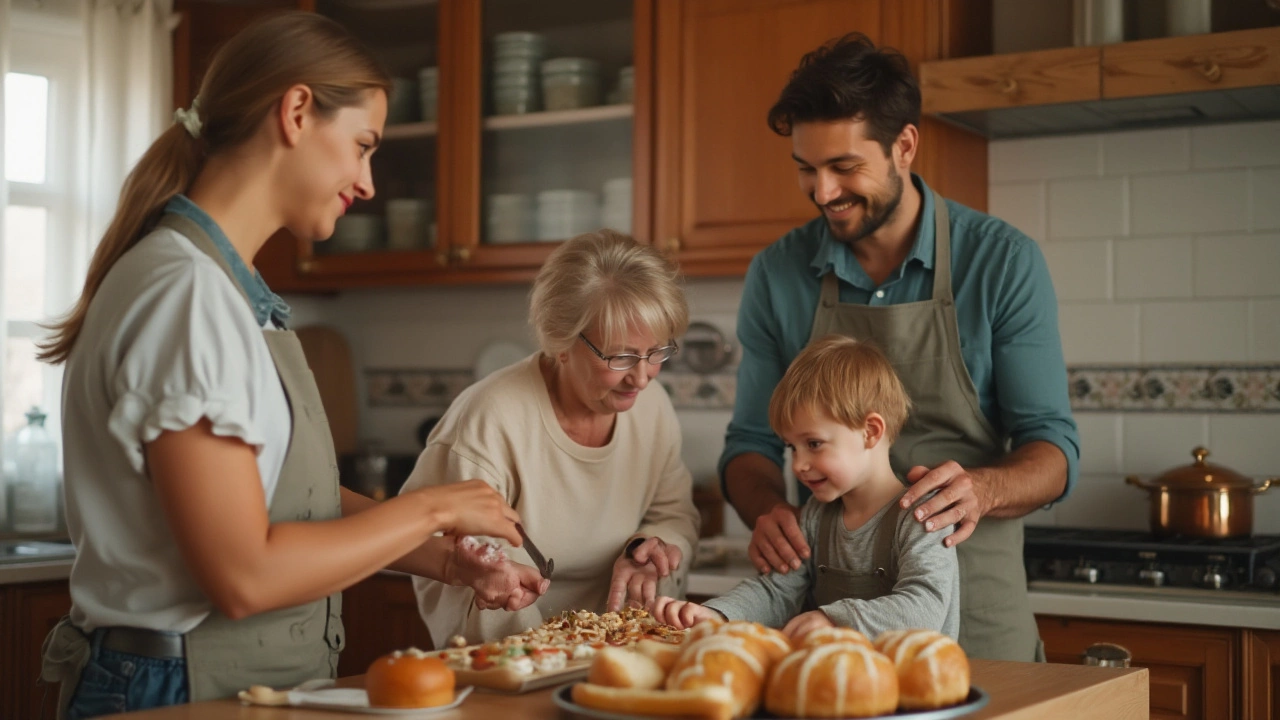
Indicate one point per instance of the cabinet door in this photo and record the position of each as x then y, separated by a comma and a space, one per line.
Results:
1193, 669
726, 185
34, 609
1262, 675
380, 615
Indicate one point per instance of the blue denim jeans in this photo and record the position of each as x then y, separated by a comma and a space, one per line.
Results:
115, 682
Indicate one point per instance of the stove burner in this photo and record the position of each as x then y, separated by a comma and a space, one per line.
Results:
1122, 557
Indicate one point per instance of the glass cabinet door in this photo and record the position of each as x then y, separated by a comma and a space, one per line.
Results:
400, 220
557, 89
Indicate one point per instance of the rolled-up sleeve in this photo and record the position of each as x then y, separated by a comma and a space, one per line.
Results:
759, 371
1027, 363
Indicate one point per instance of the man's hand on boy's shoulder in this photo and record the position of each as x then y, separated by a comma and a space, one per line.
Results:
959, 501
777, 542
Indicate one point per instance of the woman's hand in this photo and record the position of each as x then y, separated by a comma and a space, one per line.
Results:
473, 508
680, 613
805, 623
636, 578
498, 583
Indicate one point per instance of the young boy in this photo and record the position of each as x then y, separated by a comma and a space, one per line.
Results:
839, 407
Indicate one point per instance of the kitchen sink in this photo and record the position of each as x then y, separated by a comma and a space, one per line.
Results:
19, 551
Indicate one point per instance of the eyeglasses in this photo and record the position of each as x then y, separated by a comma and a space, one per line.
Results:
626, 361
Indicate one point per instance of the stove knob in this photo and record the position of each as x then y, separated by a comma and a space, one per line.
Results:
1086, 573
1214, 579
1265, 578
1151, 576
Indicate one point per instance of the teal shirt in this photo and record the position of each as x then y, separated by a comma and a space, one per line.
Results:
1005, 308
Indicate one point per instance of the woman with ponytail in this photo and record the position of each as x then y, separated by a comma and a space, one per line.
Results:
212, 538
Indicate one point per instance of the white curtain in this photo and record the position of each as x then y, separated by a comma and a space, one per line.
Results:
130, 95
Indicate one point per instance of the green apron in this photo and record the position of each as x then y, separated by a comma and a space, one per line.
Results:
832, 583
279, 648
922, 341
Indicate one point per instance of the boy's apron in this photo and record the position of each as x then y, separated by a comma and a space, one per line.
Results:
831, 583
922, 341
279, 648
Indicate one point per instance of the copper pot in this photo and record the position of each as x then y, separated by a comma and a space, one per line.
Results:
1202, 500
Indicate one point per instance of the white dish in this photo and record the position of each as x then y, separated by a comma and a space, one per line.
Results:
497, 355
320, 694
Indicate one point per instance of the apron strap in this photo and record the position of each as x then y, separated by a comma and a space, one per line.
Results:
830, 296
65, 653
825, 520
188, 228
883, 554
941, 248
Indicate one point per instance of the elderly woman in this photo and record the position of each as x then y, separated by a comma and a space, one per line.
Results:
580, 440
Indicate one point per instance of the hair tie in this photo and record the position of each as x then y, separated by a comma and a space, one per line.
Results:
190, 119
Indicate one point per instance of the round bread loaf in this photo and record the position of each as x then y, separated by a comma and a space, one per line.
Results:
933, 671
825, 635
409, 679
765, 642
835, 680
703, 628
722, 660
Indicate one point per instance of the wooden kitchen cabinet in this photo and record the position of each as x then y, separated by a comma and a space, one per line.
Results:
1195, 671
28, 611
380, 615
725, 184
1261, 675
1216, 61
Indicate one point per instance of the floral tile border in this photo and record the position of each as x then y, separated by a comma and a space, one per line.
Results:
415, 387
1175, 388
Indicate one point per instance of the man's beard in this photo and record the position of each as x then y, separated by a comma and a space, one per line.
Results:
876, 216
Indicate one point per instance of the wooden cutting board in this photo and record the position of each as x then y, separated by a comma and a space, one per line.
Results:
330, 359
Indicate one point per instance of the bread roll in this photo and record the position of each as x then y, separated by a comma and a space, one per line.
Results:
722, 660
409, 679
825, 635
703, 628
620, 668
835, 680
766, 642
664, 653
933, 671
711, 703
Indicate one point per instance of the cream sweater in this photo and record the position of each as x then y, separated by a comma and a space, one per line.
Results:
579, 504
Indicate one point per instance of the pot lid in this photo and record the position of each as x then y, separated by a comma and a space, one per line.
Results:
1201, 475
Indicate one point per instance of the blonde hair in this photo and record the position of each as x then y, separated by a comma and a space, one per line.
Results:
845, 380
608, 279
245, 81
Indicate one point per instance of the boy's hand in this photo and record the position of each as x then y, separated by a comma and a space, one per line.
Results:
777, 542
680, 613
805, 623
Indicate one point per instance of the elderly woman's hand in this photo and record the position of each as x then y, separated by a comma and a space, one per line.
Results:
636, 578
498, 583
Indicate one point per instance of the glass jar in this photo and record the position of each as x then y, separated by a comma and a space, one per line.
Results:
31, 472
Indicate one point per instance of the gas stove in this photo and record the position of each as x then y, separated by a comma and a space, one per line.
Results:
1245, 569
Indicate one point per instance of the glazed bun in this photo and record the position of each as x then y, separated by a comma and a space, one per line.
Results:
825, 635
933, 671
835, 680
409, 679
722, 660
768, 644
664, 653
703, 628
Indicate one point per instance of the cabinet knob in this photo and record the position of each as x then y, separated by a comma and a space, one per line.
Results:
1211, 70
442, 258
1009, 86
461, 254
673, 245
306, 266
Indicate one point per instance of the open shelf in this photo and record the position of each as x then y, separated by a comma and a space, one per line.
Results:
599, 113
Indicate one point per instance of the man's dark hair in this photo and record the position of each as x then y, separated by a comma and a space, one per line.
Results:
847, 79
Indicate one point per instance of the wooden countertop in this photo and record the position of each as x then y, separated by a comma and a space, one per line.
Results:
1019, 691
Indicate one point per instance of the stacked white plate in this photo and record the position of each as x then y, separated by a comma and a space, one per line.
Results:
508, 218
563, 214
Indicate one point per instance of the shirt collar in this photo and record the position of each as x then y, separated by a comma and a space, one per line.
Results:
833, 255
266, 304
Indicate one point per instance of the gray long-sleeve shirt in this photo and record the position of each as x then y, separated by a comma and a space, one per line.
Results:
926, 593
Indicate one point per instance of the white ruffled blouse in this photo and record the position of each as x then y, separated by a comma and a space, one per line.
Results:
167, 340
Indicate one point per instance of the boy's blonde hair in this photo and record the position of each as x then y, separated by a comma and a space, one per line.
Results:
845, 380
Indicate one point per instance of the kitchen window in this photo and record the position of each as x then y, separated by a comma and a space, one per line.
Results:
43, 263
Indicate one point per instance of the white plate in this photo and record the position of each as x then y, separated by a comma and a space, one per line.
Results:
497, 355
318, 694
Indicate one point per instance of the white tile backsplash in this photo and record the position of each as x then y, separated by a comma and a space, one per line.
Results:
1205, 331
1146, 151
1099, 332
1248, 444
1044, 158
1265, 200
1189, 203
1264, 331
1104, 501
1021, 205
1087, 208
1153, 268
1100, 439
1155, 442
1236, 145
1238, 265
1081, 269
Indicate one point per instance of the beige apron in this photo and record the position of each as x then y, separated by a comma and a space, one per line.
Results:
832, 583
922, 340
280, 648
